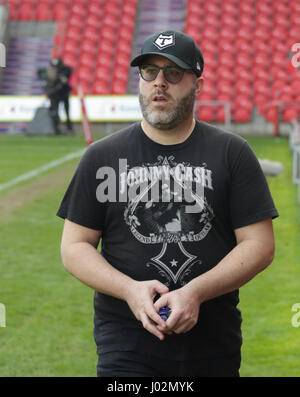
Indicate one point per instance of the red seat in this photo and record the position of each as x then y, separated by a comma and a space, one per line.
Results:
73, 33
123, 46
281, 21
244, 59
260, 100
102, 73
100, 87
261, 87
244, 33
78, 8
60, 11
93, 20
229, 8
70, 46
290, 114
25, 12
122, 59
246, 20
244, 47
87, 59
88, 46
262, 33
242, 115
261, 59
243, 74
84, 73
70, 59
210, 33
118, 87
243, 101
211, 21
243, 88
104, 59
226, 60
261, 74
280, 8
295, 19
227, 33
246, 8
13, 10
75, 20
263, 21
43, 12
225, 88
279, 33
206, 113
193, 8
121, 74
261, 46
110, 21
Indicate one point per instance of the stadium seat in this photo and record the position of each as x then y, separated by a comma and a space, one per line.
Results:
90, 33
243, 59
78, 8
25, 12
43, 12
100, 87
206, 113
70, 46
93, 20
70, 59
75, 20
118, 87
88, 46
60, 11
243, 88
73, 33
242, 115
86, 58
290, 114
246, 20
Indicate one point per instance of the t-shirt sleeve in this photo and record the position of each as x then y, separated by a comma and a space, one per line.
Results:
80, 204
250, 197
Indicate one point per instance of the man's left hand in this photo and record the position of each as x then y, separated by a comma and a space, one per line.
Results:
185, 305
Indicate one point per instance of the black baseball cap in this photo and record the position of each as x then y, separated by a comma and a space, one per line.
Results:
177, 46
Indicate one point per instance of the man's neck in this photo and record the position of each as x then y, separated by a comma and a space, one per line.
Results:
169, 137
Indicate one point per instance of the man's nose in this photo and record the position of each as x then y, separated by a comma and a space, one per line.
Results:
160, 80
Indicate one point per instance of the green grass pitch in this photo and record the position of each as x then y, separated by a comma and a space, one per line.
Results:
49, 314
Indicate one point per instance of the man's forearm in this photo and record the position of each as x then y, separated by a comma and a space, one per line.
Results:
237, 268
85, 263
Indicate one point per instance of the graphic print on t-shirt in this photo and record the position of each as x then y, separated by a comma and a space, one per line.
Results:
167, 206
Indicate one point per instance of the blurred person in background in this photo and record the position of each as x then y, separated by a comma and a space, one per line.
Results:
58, 90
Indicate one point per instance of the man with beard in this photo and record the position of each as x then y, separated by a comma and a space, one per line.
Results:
197, 273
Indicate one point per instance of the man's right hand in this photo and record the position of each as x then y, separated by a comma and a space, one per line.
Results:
140, 298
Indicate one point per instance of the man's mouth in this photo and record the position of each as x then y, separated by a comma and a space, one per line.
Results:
160, 99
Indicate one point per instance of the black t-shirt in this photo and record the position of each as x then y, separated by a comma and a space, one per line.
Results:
168, 212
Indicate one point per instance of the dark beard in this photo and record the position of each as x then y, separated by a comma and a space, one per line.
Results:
171, 119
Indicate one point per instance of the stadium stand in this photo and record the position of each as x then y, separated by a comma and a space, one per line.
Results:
84, 29
246, 48
245, 44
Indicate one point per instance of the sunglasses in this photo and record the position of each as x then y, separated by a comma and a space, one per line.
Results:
172, 74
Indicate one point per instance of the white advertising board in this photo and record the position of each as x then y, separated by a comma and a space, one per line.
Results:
114, 108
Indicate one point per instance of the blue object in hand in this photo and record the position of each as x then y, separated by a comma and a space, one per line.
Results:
164, 312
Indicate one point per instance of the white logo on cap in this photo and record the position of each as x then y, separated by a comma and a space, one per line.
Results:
198, 66
164, 41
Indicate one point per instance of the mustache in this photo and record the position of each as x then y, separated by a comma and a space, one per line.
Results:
160, 93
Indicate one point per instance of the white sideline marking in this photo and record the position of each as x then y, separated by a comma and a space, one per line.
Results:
41, 169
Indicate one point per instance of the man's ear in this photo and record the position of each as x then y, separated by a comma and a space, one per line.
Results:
199, 84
